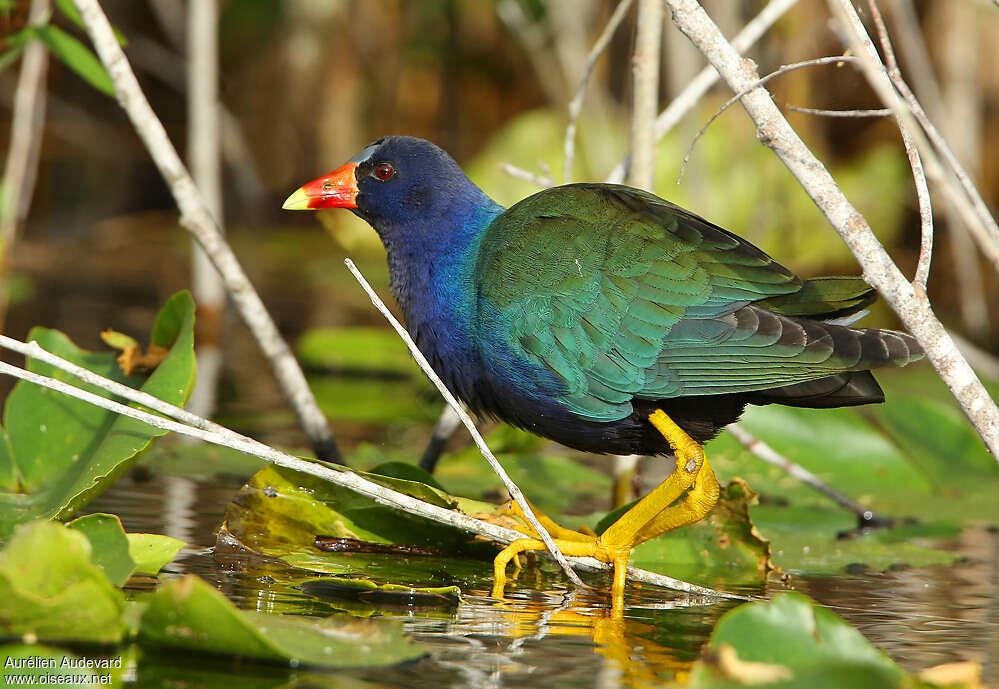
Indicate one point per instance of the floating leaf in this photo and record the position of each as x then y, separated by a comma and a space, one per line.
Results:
280, 513
64, 451
189, 614
109, 545
151, 552
50, 588
370, 592
792, 642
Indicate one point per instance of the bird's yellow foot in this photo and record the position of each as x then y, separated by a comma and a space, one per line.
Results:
685, 497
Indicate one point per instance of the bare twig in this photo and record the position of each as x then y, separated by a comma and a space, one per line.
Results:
915, 162
879, 112
197, 218
707, 78
865, 515
922, 274
783, 69
208, 431
576, 104
645, 69
774, 131
21, 169
543, 181
896, 94
480, 442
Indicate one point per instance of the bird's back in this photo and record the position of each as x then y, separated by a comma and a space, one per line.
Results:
596, 298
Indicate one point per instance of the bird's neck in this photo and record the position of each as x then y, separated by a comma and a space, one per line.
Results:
432, 279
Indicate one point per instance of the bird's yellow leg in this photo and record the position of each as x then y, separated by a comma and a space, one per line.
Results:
694, 506
689, 459
556, 530
654, 514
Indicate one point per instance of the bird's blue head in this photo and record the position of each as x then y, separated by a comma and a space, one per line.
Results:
408, 189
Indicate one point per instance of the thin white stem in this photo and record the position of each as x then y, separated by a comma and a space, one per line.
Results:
645, 69
783, 69
879, 270
708, 77
205, 430
576, 104
458, 409
769, 455
26, 127
877, 112
197, 218
204, 157
543, 181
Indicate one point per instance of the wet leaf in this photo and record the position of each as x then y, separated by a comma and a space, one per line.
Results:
392, 594
799, 643
63, 452
110, 548
50, 588
151, 552
280, 513
189, 614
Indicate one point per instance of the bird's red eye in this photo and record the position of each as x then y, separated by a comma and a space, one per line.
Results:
384, 171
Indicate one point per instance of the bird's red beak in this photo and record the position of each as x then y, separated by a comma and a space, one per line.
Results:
338, 189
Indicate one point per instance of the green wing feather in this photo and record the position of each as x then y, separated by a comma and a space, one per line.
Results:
621, 295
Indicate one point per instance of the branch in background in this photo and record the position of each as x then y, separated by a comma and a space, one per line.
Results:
865, 516
896, 94
208, 431
707, 78
576, 104
879, 270
159, 61
26, 127
197, 218
783, 69
961, 122
879, 112
480, 442
204, 157
645, 69
543, 181
915, 162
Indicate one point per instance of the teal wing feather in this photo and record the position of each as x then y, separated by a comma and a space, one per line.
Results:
620, 294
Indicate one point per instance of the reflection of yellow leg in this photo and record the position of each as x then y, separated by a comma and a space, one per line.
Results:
684, 497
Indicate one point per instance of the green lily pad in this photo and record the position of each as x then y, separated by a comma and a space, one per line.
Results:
62, 452
791, 641
189, 614
151, 552
110, 548
51, 588
280, 512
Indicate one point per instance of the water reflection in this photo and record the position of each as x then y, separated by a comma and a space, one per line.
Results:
544, 636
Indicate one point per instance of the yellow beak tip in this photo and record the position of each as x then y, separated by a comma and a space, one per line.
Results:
298, 201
